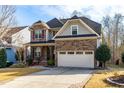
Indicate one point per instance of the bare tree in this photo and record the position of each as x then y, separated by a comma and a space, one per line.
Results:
18, 42
78, 13
107, 22
114, 26
117, 22
7, 19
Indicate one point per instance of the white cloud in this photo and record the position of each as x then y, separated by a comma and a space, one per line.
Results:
96, 12
46, 12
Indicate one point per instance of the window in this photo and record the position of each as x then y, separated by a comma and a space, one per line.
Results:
39, 34
88, 52
37, 52
62, 52
74, 29
70, 52
79, 52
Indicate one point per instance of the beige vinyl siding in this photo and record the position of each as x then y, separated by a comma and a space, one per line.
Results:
81, 29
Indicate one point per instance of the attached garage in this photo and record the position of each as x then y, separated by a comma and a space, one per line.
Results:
76, 59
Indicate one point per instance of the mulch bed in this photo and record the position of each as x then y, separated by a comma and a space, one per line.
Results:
118, 79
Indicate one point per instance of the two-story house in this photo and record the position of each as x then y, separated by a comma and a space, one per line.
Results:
69, 42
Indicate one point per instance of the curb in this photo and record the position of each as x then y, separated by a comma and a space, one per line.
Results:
88, 79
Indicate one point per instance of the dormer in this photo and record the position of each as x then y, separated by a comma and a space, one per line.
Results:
39, 31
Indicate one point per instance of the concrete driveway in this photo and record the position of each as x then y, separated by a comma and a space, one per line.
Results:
52, 78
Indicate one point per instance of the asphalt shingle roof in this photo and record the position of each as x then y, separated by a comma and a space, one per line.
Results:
12, 31
54, 23
60, 22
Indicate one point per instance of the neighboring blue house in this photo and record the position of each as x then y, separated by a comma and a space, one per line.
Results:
10, 52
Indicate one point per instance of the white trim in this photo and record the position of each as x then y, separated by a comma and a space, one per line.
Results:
61, 29
46, 35
90, 29
73, 26
98, 42
76, 38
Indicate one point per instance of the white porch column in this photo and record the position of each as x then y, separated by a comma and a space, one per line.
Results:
47, 33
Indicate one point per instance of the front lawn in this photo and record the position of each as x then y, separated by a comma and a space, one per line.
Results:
98, 80
11, 73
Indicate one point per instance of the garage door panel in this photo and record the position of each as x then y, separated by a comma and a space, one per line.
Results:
76, 60
69, 60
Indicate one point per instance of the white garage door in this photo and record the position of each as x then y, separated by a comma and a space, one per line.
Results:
76, 59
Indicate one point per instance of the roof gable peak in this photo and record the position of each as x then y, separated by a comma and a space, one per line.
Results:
74, 17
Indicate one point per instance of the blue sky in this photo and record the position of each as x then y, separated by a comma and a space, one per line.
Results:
28, 14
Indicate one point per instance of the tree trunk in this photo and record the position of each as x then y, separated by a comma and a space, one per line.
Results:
104, 64
100, 64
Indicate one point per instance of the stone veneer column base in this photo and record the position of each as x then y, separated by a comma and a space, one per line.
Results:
43, 64
40, 64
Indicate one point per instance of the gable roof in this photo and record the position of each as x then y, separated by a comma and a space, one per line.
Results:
82, 22
60, 22
12, 31
74, 17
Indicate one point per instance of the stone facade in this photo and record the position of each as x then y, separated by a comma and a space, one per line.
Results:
47, 52
76, 45
88, 44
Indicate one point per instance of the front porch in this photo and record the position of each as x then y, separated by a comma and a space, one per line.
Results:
40, 53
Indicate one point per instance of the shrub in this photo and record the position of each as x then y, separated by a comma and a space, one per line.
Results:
103, 54
29, 61
3, 58
18, 65
51, 63
122, 57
